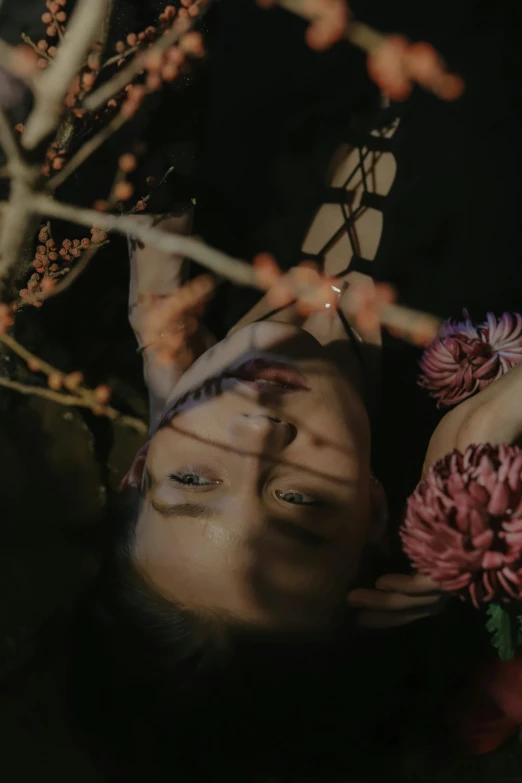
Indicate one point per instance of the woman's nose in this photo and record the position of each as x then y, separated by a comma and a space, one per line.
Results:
260, 432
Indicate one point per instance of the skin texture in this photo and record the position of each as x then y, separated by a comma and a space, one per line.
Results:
284, 481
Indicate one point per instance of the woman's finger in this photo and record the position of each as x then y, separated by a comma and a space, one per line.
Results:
379, 600
410, 584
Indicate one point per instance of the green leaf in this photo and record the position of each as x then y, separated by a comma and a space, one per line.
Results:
504, 632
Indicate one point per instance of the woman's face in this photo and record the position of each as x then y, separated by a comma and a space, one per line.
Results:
258, 491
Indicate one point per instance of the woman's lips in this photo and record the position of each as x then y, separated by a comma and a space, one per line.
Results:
267, 375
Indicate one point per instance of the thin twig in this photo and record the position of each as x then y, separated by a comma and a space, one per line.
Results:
99, 97
221, 264
40, 52
85, 151
53, 84
357, 33
122, 56
70, 400
135, 209
59, 27
26, 355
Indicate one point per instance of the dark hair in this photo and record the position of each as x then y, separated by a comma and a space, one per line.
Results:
161, 689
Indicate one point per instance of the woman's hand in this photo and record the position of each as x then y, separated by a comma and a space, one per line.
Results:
493, 416
398, 599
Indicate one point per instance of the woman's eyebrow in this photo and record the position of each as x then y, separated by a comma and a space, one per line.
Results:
193, 510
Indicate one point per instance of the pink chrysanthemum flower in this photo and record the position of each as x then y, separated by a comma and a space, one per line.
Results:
463, 524
465, 358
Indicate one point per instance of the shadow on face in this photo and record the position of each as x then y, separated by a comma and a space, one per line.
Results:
256, 495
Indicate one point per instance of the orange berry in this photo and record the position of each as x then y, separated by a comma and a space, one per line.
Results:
123, 191
73, 380
61, 16
169, 11
169, 72
153, 81
175, 55
128, 109
88, 80
119, 47
47, 18
102, 394
127, 162
141, 205
52, 31
132, 39
153, 61
55, 381
33, 364
19, 128
101, 205
48, 284
192, 43
52, 50
42, 63
43, 45
266, 270
193, 11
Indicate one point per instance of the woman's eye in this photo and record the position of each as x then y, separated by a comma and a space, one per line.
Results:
191, 480
296, 498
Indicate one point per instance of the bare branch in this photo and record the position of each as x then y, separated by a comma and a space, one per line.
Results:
34, 47
409, 323
49, 394
52, 85
26, 355
81, 396
221, 264
85, 151
357, 33
17, 217
99, 97
71, 400
9, 144
16, 220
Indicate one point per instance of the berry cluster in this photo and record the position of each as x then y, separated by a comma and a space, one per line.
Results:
52, 262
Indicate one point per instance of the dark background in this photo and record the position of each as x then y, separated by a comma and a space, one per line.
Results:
250, 133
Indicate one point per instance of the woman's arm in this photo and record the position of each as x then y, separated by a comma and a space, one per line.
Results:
154, 272
493, 416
